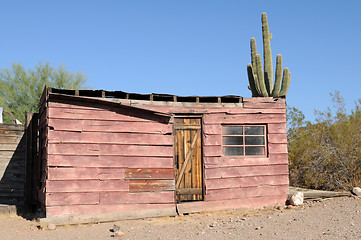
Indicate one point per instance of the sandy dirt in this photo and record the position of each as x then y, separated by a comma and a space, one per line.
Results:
334, 218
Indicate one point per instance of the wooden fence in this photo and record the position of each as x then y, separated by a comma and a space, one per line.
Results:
12, 164
19, 163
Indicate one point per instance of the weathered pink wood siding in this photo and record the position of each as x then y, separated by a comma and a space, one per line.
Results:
242, 181
103, 159
255, 181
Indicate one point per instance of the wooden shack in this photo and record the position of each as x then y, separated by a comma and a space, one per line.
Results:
107, 152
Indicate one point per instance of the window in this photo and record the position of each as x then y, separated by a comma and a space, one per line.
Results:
244, 140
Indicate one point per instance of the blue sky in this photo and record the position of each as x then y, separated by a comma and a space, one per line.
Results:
190, 47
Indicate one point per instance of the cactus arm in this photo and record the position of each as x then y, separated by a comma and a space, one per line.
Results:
253, 52
267, 54
261, 82
285, 82
252, 81
278, 76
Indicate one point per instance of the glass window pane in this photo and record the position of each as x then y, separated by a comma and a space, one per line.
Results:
232, 151
254, 140
233, 130
232, 140
254, 130
255, 151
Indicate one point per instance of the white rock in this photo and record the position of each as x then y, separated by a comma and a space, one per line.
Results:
51, 226
356, 191
296, 199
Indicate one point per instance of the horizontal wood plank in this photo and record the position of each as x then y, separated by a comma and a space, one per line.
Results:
70, 173
245, 118
11, 127
149, 173
276, 148
230, 172
189, 191
151, 185
277, 128
110, 149
211, 162
114, 161
241, 182
61, 198
277, 138
212, 150
212, 139
247, 192
110, 138
73, 210
86, 185
12, 147
140, 197
109, 126
93, 114
212, 129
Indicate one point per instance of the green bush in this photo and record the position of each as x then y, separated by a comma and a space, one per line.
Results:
326, 154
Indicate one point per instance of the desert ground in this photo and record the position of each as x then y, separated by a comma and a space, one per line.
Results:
331, 218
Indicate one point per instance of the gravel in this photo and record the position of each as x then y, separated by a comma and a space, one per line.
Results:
333, 218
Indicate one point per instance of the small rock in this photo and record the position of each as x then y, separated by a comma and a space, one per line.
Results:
51, 226
213, 224
296, 199
356, 191
118, 234
116, 228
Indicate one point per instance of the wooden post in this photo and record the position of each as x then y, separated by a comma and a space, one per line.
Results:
31, 166
28, 162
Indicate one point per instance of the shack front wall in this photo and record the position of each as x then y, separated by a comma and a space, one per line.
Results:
234, 182
105, 159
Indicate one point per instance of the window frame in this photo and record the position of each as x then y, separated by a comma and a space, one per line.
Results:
265, 145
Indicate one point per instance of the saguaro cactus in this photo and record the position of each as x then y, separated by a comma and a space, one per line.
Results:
261, 81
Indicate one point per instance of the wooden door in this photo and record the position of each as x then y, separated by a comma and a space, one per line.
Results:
188, 159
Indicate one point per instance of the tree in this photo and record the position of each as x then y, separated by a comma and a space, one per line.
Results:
20, 89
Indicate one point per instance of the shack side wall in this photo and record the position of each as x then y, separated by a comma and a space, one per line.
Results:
104, 160
43, 148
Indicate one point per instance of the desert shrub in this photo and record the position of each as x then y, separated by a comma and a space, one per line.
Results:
325, 154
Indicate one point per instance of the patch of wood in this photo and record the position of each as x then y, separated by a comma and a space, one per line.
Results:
149, 173
151, 185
